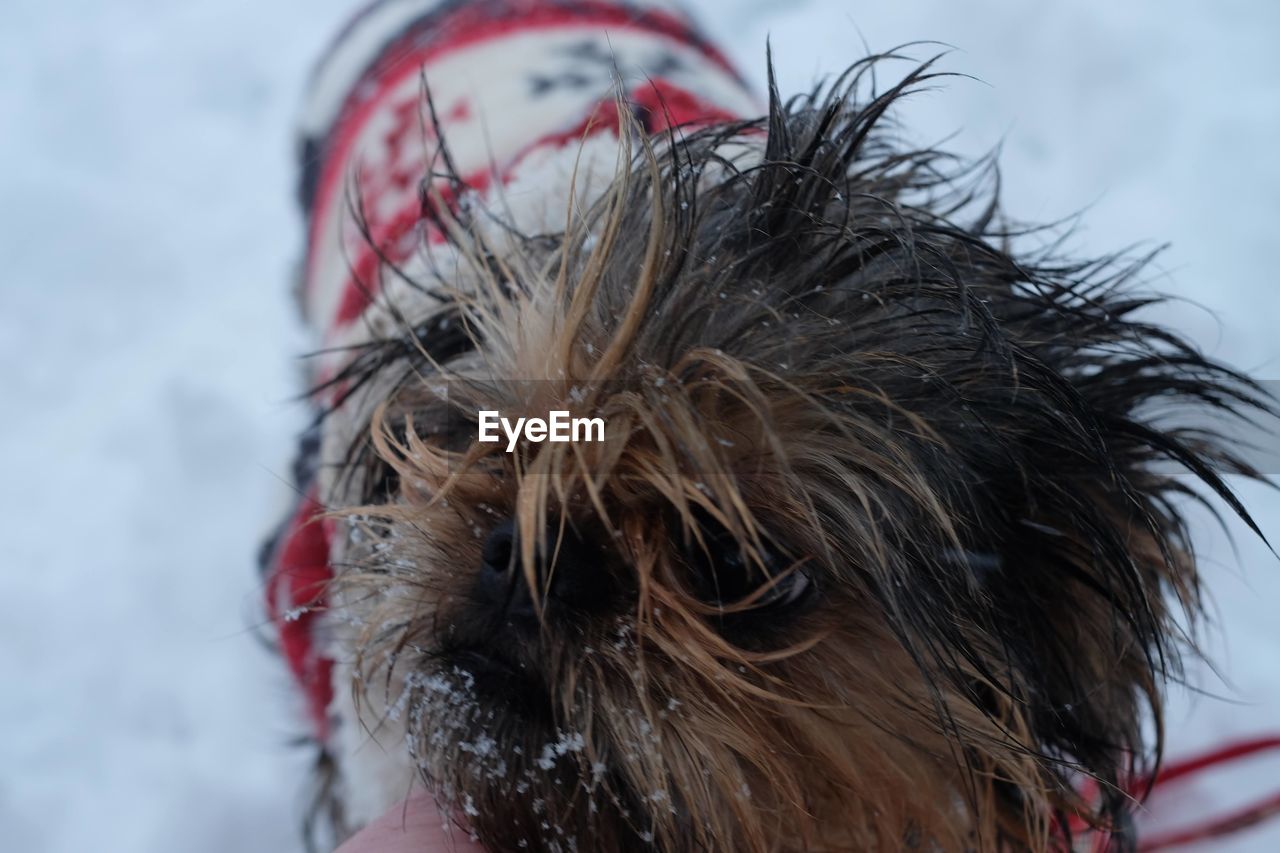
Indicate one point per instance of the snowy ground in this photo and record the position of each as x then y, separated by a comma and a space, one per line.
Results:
147, 238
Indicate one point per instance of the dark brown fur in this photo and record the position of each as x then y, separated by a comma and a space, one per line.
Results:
830, 371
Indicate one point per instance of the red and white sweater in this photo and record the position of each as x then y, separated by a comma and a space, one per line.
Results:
522, 91
513, 83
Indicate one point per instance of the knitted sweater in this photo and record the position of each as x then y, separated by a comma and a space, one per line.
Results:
521, 96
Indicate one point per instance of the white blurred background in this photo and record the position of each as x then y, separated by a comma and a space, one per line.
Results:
148, 354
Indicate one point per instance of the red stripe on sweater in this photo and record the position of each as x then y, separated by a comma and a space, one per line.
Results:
296, 595
469, 26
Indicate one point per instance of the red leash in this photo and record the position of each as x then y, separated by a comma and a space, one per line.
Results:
1233, 821
1099, 840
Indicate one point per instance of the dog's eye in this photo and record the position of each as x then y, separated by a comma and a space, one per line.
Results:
727, 573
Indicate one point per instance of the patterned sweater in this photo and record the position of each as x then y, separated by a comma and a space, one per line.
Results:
520, 93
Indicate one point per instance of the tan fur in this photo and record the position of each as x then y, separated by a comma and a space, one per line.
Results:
766, 751
660, 731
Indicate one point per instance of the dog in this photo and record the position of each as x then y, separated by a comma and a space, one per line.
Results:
880, 544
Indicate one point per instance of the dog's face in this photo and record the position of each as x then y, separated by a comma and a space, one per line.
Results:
872, 551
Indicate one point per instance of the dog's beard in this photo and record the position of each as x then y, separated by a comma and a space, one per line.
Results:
875, 551
668, 718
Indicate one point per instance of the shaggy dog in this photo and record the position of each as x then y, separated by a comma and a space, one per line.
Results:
881, 547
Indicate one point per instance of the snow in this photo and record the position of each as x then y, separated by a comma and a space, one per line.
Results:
149, 239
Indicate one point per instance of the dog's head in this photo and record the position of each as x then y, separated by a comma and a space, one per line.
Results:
878, 548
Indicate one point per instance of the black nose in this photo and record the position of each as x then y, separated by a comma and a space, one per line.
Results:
570, 574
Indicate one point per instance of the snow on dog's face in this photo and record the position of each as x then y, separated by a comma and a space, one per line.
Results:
873, 551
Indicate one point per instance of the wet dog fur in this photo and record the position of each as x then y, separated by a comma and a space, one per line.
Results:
885, 545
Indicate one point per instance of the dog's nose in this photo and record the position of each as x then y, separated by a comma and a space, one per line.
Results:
570, 574
501, 550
